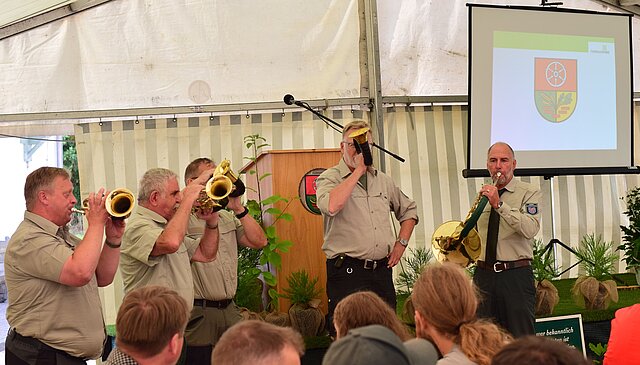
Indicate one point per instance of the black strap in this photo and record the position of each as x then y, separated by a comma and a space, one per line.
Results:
492, 233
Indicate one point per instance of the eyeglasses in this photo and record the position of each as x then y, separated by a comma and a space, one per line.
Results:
351, 144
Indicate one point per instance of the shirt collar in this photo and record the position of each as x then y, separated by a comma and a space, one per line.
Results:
42, 222
151, 214
511, 186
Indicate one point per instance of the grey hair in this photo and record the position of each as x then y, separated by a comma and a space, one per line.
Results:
154, 180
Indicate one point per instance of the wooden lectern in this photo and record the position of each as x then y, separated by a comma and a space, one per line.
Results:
287, 168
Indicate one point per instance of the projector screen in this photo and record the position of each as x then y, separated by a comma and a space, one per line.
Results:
554, 84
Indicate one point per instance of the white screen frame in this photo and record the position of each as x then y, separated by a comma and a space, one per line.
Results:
483, 21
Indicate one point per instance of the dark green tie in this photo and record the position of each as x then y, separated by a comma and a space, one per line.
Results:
363, 181
492, 234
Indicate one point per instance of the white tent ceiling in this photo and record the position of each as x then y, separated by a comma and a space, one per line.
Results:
124, 58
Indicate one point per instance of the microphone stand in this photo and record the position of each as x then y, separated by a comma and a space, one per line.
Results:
333, 124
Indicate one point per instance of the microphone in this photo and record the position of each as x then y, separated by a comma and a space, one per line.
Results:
289, 99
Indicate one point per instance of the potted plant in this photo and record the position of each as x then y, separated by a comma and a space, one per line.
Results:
411, 267
269, 259
630, 245
543, 271
593, 288
305, 314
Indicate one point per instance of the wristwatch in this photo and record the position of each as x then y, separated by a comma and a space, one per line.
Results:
403, 242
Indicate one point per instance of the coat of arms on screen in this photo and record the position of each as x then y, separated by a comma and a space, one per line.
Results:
556, 88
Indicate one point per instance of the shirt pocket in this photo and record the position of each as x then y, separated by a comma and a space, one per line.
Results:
379, 203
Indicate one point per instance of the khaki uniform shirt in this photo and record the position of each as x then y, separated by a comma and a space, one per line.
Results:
362, 229
139, 268
64, 317
218, 279
519, 222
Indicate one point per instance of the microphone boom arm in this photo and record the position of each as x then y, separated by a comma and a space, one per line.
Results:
288, 99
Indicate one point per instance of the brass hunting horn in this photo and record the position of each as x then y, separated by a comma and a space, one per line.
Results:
457, 241
119, 204
223, 184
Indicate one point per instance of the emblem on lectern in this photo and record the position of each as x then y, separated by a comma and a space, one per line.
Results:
307, 190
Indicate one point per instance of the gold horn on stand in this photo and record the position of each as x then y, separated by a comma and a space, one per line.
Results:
459, 242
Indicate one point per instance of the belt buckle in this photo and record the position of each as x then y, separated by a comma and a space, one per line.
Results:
370, 264
495, 266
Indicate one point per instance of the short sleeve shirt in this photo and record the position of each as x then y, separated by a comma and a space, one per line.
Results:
362, 229
64, 317
139, 268
218, 279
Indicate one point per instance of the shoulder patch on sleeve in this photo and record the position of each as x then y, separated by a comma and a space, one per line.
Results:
531, 208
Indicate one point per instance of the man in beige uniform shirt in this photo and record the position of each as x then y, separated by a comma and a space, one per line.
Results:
215, 282
155, 248
52, 277
504, 275
359, 242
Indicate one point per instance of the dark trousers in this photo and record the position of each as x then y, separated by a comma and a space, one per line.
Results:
352, 276
20, 350
509, 298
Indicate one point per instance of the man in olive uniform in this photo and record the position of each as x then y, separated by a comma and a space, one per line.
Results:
215, 282
361, 248
53, 277
509, 223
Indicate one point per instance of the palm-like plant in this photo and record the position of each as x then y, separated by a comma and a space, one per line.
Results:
597, 256
412, 266
543, 271
592, 289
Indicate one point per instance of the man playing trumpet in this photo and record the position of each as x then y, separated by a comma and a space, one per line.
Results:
53, 277
507, 227
155, 248
215, 282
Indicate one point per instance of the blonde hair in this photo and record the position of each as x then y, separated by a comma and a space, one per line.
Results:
447, 299
148, 318
41, 179
365, 308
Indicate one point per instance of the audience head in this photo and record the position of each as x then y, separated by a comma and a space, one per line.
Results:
445, 303
159, 192
48, 192
151, 323
365, 308
376, 344
258, 343
534, 350
196, 167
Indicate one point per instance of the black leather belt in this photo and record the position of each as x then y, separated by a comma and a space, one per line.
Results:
500, 266
367, 264
220, 304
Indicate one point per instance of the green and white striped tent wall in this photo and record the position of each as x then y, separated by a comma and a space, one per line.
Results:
431, 138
